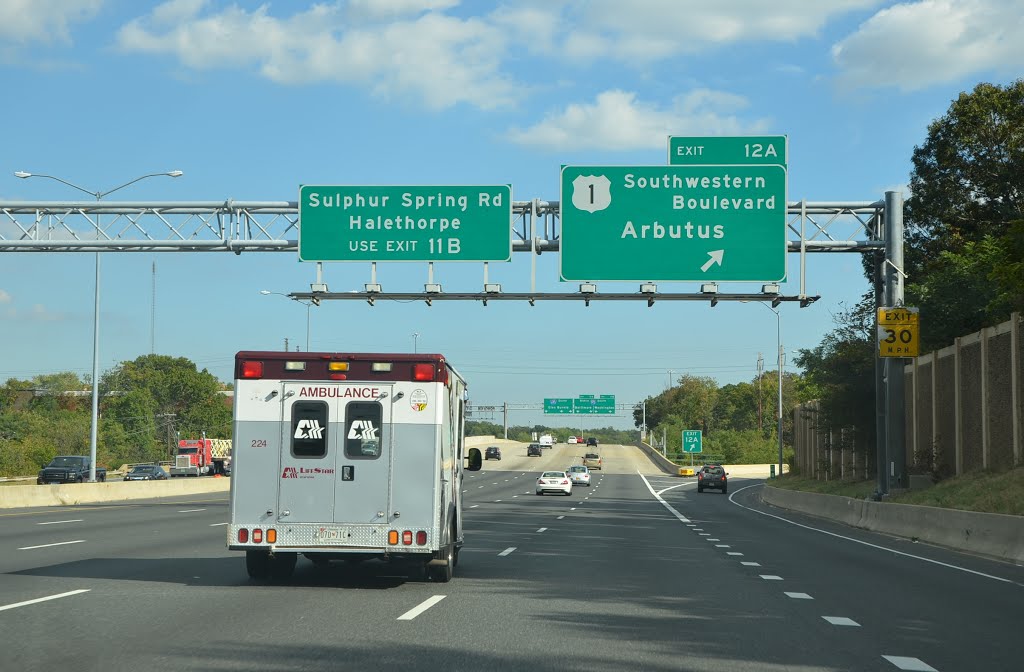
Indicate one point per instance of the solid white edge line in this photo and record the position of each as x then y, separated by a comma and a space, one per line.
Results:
217, 524
59, 543
419, 609
191, 510
43, 599
859, 541
58, 522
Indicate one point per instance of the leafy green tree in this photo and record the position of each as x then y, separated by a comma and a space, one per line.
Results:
964, 248
155, 386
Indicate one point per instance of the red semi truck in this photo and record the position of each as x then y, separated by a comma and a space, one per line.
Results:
202, 457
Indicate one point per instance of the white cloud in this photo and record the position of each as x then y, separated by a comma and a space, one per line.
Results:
616, 120
647, 30
23, 21
39, 313
915, 45
443, 59
4, 297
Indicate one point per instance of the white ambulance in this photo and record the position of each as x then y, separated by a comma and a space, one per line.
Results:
348, 456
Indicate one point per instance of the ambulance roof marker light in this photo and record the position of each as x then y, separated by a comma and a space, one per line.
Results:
252, 369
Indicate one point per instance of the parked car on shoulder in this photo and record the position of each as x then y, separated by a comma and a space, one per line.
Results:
534, 450
554, 481
146, 472
492, 453
713, 476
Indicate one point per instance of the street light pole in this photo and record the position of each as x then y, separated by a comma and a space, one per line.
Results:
778, 340
94, 423
307, 304
415, 341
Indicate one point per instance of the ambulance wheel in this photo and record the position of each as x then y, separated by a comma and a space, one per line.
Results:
257, 564
282, 565
443, 573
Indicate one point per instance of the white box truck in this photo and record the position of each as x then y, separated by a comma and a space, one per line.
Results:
348, 456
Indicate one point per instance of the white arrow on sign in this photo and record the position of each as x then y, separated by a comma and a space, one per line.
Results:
716, 258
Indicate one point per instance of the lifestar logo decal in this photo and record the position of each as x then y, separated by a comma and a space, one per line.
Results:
418, 400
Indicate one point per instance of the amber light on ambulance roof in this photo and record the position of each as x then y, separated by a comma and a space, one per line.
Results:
337, 366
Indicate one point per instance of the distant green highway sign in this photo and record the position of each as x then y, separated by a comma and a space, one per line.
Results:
702, 223
414, 223
558, 406
585, 404
741, 150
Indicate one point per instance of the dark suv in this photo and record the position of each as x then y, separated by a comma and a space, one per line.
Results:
591, 441
713, 476
534, 449
493, 452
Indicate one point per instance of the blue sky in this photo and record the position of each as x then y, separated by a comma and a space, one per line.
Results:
251, 100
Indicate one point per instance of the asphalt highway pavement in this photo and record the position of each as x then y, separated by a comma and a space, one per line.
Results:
636, 572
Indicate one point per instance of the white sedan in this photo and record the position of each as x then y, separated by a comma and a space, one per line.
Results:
571, 439
554, 481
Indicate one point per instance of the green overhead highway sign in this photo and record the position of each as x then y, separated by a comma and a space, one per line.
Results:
603, 405
673, 223
692, 441
389, 223
558, 405
586, 404
744, 150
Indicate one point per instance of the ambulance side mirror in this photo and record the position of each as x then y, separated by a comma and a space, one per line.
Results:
476, 460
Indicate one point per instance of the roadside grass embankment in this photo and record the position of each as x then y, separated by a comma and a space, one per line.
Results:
982, 491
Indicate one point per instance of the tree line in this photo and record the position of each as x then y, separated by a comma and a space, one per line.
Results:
145, 406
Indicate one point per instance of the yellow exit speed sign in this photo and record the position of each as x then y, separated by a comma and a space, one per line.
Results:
899, 332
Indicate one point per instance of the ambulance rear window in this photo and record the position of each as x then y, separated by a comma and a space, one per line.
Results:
362, 430
309, 429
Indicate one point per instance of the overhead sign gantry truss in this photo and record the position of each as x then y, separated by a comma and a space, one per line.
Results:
273, 226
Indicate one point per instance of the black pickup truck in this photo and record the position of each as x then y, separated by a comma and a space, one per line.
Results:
68, 469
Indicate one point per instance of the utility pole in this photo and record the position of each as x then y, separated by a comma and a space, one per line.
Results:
760, 372
152, 316
286, 344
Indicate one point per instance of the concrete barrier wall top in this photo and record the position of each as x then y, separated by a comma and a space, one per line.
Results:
20, 496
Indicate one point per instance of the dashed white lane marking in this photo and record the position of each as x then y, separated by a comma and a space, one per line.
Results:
507, 551
43, 599
542, 529
474, 506
710, 539
514, 496
59, 543
465, 491
419, 609
912, 664
722, 546
527, 492
858, 541
736, 553
704, 534
496, 501
750, 564
560, 517
191, 510
841, 620
771, 577
799, 596
573, 508
58, 522
479, 486
698, 529
217, 524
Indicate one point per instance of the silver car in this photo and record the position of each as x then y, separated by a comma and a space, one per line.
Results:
579, 475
